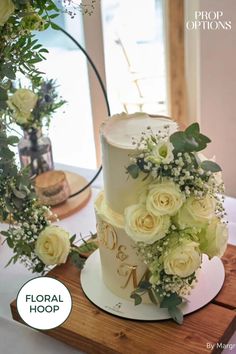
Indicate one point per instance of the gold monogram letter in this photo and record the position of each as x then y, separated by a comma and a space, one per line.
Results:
121, 255
129, 271
108, 236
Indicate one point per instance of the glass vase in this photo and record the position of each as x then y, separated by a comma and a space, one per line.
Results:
35, 152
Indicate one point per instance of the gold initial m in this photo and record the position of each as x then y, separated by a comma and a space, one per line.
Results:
130, 271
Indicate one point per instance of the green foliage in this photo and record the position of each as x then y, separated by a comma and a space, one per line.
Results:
176, 314
87, 247
190, 140
210, 166
137, 298
171, 302
72, 239
20, 52
144, 285
133, 170
77, 260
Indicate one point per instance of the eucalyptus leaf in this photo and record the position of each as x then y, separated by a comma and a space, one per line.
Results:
204, 138
137, 298
192, 129
87, 247
176, 314
133, 170
178, 141
170, 301
210, 166
144, 284
10, 242
77, 260
72, 239
39, 267
19, 194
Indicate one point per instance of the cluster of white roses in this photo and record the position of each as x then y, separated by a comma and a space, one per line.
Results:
172, 227
42, 243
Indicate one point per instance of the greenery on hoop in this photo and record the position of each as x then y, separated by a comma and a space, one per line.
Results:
20, 52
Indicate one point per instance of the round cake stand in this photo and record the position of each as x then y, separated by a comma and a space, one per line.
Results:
210, 280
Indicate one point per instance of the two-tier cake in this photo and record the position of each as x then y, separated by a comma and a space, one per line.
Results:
122, 268
160, 218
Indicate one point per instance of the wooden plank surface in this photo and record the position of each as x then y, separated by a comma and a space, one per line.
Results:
227, 295
94, 331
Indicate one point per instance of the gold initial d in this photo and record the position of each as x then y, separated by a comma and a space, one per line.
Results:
109, 237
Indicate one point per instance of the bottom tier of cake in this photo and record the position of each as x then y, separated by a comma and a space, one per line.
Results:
122, 268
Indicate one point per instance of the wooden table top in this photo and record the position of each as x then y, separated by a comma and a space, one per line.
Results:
94, 331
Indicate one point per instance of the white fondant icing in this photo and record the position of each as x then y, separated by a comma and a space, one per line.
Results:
116, 138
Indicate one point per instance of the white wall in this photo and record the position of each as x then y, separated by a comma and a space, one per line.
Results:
216, 87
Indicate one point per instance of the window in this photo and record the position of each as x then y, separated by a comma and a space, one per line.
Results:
71, 129
135, 55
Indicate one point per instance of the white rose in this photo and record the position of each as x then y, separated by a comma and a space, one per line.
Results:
53, 245
196, 212
6, 10
23, 102
143, 226
183, 260
164, 198
162, 153
214, 238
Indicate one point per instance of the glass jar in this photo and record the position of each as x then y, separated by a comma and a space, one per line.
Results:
35, 152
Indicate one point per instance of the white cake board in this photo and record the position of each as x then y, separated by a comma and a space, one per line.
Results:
210, 280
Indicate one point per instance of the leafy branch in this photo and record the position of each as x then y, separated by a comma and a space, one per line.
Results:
170, 301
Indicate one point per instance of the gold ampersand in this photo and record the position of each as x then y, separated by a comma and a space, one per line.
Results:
121, 255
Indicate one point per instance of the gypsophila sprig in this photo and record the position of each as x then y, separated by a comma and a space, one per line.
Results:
34, 241
180, 215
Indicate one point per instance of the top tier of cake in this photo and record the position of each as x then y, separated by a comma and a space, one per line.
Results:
116, 138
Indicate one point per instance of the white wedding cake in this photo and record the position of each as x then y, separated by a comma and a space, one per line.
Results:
122, 267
